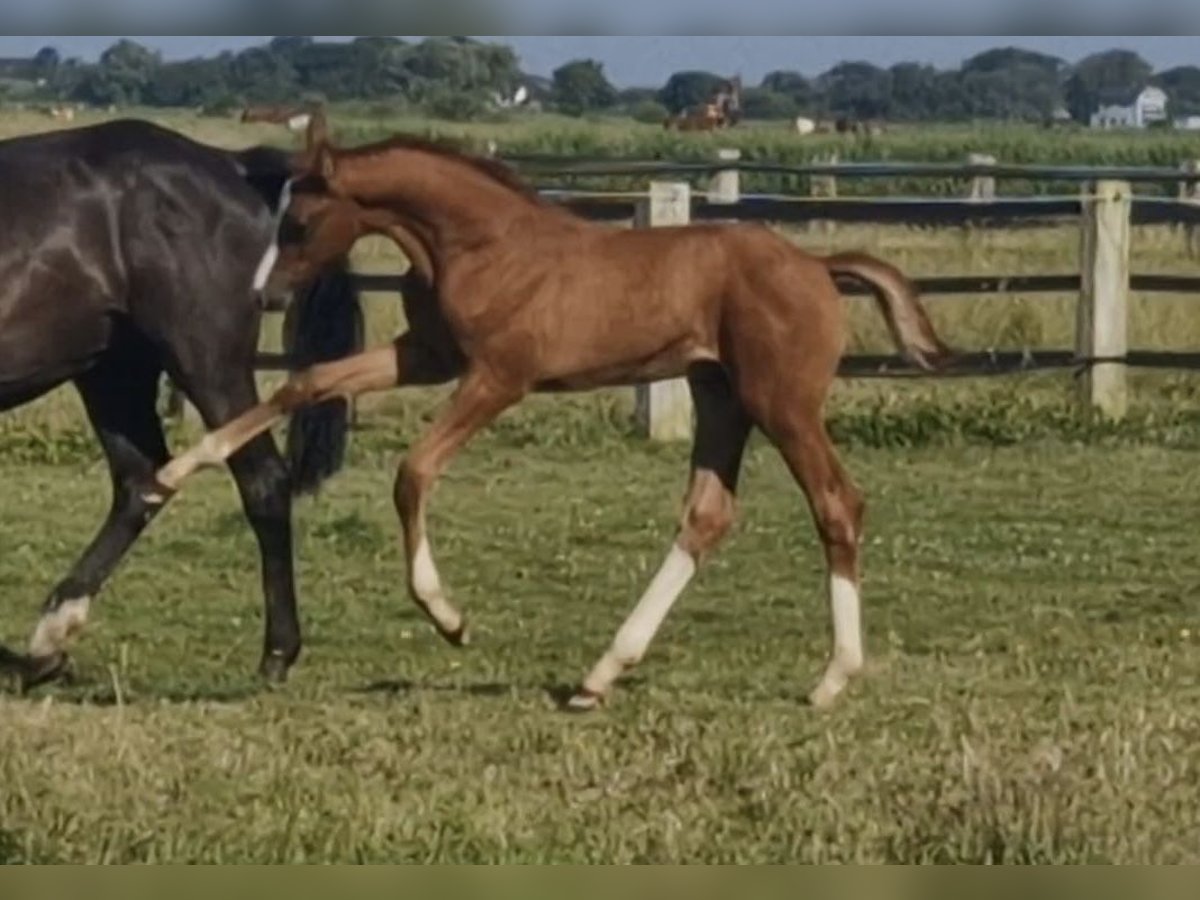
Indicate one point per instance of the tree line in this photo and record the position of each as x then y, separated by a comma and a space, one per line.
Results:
459, 78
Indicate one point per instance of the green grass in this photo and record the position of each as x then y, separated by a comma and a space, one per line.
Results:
1032, 693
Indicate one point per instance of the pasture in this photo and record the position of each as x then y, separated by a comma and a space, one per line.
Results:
1032, 691
1030, 606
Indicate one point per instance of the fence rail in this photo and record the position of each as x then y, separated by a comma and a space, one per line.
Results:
534, 164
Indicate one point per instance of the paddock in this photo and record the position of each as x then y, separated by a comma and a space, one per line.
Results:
1030, 608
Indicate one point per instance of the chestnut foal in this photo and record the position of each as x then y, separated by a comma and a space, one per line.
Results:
523, 296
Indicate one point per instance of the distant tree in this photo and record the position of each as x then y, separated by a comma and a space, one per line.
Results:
1023, 92
290, 45
791, 84
464, 64
1182, 85
122, 76
858, 89
915, 92
46, 62
193, 82
261, 75
1002, 58
762, 103
686, 89
1112, 72
581, 86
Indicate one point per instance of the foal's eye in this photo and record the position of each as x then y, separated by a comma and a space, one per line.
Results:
291, 231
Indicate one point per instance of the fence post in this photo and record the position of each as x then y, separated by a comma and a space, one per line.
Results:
1102, 326
983, 187
1189, 192
824, 186
663, 409
725, 185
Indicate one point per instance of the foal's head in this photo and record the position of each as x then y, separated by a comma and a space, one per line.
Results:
317, 228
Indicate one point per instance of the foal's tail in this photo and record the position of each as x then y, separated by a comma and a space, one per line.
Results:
901, 307
324, 323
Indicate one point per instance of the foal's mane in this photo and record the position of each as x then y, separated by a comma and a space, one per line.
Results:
493, 169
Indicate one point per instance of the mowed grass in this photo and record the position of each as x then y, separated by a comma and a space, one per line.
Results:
1032, 693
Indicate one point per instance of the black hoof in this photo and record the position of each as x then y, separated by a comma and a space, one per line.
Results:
459, 637
42, 670
274, 668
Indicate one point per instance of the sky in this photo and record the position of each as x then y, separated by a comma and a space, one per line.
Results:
649, 60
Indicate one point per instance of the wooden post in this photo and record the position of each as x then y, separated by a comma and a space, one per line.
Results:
1189, 192
983, 187
1102, 328
725, 186
663, 409
824, 186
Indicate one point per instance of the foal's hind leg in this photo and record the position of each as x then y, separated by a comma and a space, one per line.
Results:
119, 395
837, 509
722, 428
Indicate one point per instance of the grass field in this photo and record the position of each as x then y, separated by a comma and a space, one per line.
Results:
1032, 693
1031, 613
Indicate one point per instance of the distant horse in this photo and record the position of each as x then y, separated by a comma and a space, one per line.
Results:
60, 113
722, 110
296, 117
128, 251
532, 298
804, 126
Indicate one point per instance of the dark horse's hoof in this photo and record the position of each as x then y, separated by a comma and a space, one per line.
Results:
40, 670
274, 668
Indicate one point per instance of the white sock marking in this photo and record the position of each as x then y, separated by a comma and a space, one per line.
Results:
267, 264
427, 586
634, 636
847, 659
56, 627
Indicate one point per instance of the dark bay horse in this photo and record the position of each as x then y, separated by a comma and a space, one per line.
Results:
127, 251
531, 298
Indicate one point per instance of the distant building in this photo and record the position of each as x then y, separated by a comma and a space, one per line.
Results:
1188, 123
1131, 109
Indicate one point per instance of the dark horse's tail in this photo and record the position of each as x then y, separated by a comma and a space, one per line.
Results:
324, 322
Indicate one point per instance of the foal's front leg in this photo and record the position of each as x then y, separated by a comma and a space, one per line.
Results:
479, 399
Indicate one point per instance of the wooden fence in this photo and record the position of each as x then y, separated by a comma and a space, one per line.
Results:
1106, 208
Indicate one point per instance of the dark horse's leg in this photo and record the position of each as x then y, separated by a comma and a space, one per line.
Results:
119, 394
219, 394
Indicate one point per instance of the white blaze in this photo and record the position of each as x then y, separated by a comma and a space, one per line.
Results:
265, 266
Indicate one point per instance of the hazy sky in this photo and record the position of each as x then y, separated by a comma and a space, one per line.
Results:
649, 60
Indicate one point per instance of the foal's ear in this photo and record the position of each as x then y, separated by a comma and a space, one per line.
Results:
318, 130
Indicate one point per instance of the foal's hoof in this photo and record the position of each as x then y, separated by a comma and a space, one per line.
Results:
41, 670
274, 668
459, 637
584, 701
824, 697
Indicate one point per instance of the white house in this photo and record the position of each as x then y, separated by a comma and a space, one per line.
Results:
1188, 123
1131, 109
